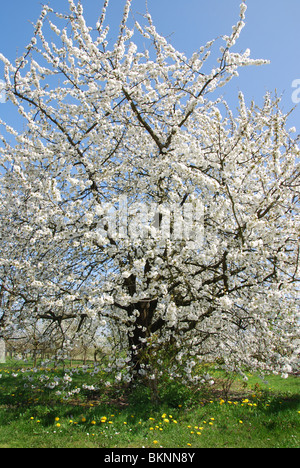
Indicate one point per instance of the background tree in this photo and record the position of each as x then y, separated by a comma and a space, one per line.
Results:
101, 192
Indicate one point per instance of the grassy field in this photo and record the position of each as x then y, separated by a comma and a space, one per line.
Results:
259, 415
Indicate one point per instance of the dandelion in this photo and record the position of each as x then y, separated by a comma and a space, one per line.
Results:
93, 422
57, 425
56, 419
83, 419
240, 421
189, 444
155, 442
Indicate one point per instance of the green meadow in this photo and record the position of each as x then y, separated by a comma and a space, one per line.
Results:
258, 414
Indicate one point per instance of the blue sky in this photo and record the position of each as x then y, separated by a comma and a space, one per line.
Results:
272, 32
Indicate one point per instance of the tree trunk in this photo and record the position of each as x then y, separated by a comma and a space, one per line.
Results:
137, 339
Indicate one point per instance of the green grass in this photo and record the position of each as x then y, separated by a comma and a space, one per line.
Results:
260, 415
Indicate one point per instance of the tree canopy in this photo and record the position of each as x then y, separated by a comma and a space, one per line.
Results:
136, 203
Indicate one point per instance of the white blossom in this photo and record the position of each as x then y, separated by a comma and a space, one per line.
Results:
98, 222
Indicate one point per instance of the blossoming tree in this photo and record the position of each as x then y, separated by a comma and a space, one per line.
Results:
134, 202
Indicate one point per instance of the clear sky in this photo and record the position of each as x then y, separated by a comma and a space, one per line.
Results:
272, 32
